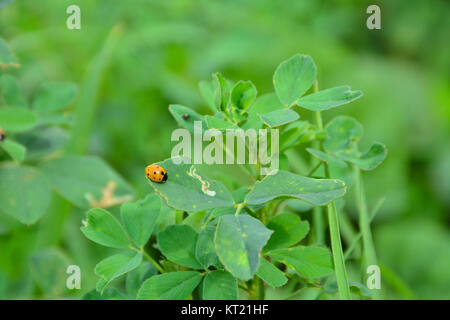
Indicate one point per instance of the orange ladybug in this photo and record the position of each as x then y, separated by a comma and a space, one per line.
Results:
156, 173
2, 134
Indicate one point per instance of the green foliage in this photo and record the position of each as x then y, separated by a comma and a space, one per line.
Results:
286, 184
219, 285
178, 244
170, 286
101, 227
238, 242
293, 78
120, 115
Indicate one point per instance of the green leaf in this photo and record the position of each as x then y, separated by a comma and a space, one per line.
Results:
222, 91
177, 243
287, 231
207, 92
25, 193
116, 266
54, 96
199, 193
271, 274
204, 249
368, 160
239, 240
100, 226
11, 91
16, 119
108, 294
219, 124
263, 104
139, 218
243, 94
310, 262
331, 160
7, 57
170, 286
296, 133
48, 269
318, 192
219, 285
14, 149
329, 98
279, 117
136, 277
185, 116
293, 78
83, 179
342, 131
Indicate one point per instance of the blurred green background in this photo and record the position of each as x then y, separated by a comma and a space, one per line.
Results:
159, 50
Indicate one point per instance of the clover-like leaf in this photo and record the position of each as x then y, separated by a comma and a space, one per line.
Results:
199, 193
54, 96
136, 277
293, 78
328, 98
328, 158
25, 193
243, 94
170, 286
185, 116
116, 266
279, 117
318, 192
239, 240
288, 230
87, 181
103, 228
222, 91
16, 119
219, 124
310, 262
14, 149
178, 244
11, 91
271, 274
139, 218
204, 249
341, 132
368, 160
219, 285
48, 269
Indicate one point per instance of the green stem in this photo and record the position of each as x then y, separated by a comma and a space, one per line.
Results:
152, 261
336, 245
317, 166
338, 256
239, 208
261, 293
369, 254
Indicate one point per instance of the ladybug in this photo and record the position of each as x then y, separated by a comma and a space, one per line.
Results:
2, 134
185, 116
156, 173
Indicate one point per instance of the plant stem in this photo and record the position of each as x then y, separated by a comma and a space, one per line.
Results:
317, 166
152, 261
336, 245
318, 219
369, 254
260, 287
239, 208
